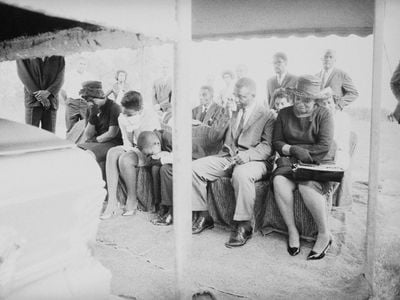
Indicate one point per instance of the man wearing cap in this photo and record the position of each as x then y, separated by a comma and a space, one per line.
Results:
42, 79
282, 78
336, 81
247, 140
102, 131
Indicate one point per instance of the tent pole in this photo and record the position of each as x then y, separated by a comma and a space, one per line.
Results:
373, 176
182, 148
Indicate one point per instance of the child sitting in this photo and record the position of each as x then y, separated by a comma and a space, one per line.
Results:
157, 146
281, 99
122, 161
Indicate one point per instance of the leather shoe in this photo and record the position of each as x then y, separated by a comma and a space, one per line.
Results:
165, 220
202, 223
239, 237
293, 251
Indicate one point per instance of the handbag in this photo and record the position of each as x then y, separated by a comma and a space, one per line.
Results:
322, 172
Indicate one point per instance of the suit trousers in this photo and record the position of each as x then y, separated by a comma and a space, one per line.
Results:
243, 176
166, 184
38, 115
75, 110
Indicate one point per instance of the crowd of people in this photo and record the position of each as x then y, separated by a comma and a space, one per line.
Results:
301, 120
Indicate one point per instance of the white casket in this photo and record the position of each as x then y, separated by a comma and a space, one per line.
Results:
51, 194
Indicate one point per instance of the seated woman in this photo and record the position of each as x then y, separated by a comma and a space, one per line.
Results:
123, 160
303, 132
102, 131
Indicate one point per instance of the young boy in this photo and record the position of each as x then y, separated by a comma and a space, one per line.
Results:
281, 99
157, 146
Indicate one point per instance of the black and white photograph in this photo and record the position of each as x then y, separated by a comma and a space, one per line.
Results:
199, 149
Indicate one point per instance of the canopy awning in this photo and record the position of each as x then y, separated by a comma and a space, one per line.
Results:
215, 19
152, 18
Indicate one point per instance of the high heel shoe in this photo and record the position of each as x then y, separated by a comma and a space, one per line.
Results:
314, 255
293, 251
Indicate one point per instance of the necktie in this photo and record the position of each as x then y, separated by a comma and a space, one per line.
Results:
203, 114
241, 124
324, 78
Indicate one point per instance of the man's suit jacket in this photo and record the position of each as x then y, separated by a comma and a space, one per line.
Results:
272, 85
41, 74
395, 86
255, 137
211, 113
342, 86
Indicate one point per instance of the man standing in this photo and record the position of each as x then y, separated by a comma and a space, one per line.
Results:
340, 84
248, 139
162, 90
42, 79
206, 112
395, 86
282, 79
75, 106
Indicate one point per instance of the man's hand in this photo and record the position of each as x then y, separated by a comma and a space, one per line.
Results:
394, 117
327, 92
301, 154
241, 158
43, 97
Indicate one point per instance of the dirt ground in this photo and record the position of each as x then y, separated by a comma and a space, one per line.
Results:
141, 256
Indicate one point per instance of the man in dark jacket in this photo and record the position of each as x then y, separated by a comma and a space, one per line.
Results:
282, 79
42, 79
395, 86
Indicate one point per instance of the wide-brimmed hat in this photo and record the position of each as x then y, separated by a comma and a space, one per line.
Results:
92, 89
308, 86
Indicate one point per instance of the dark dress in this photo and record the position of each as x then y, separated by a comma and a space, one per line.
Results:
313, 133
107, 117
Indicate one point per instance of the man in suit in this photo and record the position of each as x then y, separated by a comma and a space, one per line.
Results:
248, 140
336, 82
395, 86
282, 79
207, 110
42, 79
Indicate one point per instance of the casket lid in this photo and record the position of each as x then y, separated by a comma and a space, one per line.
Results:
16, 138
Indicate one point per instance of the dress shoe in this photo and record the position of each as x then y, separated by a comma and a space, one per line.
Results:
239, 237
165, 220
202, 223
314, 255
293, 251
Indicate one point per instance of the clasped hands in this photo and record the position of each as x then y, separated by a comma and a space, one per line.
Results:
43, 97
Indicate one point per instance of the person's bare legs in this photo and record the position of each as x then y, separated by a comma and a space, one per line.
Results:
112, 176
283, 191
316, 204
128, 170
